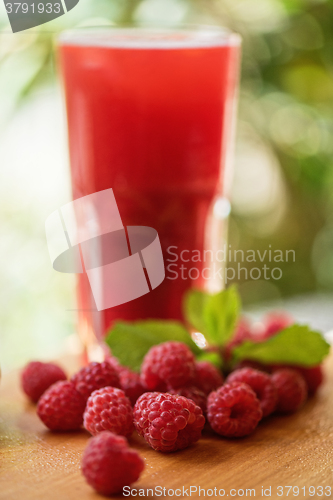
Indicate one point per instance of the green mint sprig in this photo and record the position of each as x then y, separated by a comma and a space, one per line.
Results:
216, 316
295, 345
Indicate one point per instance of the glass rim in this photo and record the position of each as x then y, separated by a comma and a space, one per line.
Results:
185, 36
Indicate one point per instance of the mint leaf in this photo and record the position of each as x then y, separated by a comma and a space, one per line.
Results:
194, 305
130, 342
296, 345
215, 316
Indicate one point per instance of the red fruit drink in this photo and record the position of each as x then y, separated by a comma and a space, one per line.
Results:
150, 115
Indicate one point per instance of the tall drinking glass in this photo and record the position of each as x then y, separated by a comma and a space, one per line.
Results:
151, 115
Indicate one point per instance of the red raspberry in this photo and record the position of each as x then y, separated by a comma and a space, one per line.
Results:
36, 377
95, 376
194, 393
291, 388
108, 409
131, 384
242, 333
313, 377
170, 363
272, 324
113, 361
233, 410
61, 407
109, 464
261, 384
207, 378
168, 422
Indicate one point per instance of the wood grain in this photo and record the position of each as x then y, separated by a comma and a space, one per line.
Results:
295, 450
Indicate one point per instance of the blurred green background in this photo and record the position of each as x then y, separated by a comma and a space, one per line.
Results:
283, 184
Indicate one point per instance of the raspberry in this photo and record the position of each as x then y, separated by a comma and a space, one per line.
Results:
113, 361
261, 384
95, 376
291, 388
233, 410
207, 378
168, 422
108, 409
61, 407
313, 377
131, 384
36, 377
194, 393
272, 324
242, 332
109, 464
170, 363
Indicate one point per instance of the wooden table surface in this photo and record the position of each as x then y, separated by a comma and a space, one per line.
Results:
294, 450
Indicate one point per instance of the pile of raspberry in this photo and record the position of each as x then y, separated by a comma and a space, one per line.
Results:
168, 404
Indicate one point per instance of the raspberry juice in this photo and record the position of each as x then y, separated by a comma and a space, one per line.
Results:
150, 115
